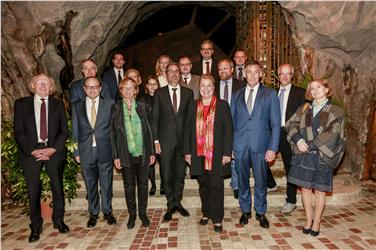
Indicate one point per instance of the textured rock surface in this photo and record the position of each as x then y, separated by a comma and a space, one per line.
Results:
338, 39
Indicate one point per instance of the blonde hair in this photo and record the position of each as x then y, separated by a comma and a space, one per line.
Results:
126, 75
158, 70
35, 78
125, 81
324, 83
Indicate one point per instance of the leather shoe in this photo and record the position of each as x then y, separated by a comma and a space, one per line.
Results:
236, 193
34, 235
131, 222
204, 221
183, 212
168, 215
92, 222
63, 228
244, 218
218, 228
152, 191
110, 218
263, 220
145, 220
162, 192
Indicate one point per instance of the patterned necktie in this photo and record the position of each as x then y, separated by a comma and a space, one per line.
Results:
240, 74
207, 67
43, 121
174, 101
249, 101
119, 77
281, 99
225, 92
93, 118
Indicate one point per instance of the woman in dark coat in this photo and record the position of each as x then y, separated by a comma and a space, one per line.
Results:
316, 132
208, 134
132, 148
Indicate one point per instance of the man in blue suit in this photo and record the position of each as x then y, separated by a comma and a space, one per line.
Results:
257, 123
113, 76
91, 118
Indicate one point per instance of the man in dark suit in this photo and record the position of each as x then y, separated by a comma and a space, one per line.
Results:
208, 64
224, 90
291, 98
91, 118
114, 75
40, 128
240, 59
170, 107
187, 79
257, 123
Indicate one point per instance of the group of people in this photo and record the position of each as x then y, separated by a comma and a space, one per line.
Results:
221, 121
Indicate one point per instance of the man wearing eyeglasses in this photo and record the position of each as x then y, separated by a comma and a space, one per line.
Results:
91, 130
208, 64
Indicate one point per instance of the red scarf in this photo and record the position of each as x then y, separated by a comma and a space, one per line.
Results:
205, 131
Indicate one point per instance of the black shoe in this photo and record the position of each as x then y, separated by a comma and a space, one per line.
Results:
236, 193
92, 222
167, 216
183, 212
244, 218
152, 191
110, 218
307, 230
131, 222
263, 220
34, 235
315, 233
162, 192
145, 220
204, 221
63, 228
218, 229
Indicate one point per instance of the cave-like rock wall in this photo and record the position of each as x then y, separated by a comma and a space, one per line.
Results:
337, 40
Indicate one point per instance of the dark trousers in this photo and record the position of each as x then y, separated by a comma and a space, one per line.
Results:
152, 175
173, 174
136, 174
285, 149
211, 189
55, 173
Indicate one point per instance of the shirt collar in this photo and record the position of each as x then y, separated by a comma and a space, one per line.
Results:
186, 76
287, 87
171, 87
90, 100
38, 98
255, 88
117, 70
229, 81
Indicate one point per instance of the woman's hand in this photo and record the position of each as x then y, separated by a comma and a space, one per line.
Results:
117, 163
302, 146
188, 158
152, 160
225, 160
158, 149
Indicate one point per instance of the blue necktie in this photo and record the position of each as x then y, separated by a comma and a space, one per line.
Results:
281, 98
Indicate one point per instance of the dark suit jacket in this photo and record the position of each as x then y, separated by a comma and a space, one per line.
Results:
295, 100
168, 127
109, 79
119, 136
193, 85
26, 134
197, 68
223, 137
83, 132
261, 129
236, 85
76, 91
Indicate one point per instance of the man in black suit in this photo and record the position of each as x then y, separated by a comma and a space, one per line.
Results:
40, 128
228, 85
114, 75
208, 64
291, 98
170, 106
240, 59
91, 118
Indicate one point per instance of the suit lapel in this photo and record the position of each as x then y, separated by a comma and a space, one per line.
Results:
243, 104
182, 99
99, 112
31, 112
259, 98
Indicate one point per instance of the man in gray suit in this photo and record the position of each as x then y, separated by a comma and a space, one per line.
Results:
187, 79
91, 118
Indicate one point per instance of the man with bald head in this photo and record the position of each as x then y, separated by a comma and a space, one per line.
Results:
291, 98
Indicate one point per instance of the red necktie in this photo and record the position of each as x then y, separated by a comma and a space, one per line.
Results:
174, 101
43, 121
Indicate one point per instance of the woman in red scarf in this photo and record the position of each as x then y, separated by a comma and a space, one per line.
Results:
208, 136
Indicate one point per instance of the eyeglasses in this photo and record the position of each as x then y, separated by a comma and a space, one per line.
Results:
92, 87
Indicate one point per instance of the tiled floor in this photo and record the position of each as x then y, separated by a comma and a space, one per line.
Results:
343, 227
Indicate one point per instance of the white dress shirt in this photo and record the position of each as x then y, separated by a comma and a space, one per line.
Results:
204, 65
178, 93
89, 103
285, 99
189, 78
222, 89
37, 106
254, 94
117, 73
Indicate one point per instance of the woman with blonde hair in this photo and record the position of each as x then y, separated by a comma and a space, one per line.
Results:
136, 76
316, 132
160, 69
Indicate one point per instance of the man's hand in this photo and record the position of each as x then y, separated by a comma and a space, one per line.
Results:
225, 160
188, 158
270, 156
77, 158
117, 163
152, 160
158, 149
302, 146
